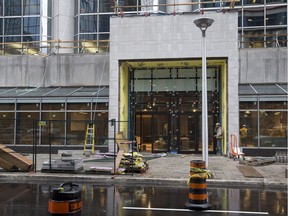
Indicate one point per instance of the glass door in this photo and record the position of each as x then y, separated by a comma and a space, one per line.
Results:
189, 132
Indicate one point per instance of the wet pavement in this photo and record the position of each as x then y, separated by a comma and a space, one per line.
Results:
164, 169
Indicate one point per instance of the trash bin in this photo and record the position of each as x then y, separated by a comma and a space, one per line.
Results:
65, 200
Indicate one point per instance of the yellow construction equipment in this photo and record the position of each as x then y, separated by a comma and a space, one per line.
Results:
89, 139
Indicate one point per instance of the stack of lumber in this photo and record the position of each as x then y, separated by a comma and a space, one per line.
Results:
13, 161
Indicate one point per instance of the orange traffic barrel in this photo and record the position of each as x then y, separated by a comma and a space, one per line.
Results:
198, 197
65, 200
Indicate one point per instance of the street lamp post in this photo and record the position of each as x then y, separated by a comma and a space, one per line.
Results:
203, 24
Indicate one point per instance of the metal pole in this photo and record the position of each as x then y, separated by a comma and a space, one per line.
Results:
205, 110
203, 24
204, 103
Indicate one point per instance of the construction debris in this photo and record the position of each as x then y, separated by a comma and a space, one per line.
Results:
258, 161
133, 162
70, 165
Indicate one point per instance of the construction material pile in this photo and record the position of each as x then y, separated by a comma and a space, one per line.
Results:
133, 162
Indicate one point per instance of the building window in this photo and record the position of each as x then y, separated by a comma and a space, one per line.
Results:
31, 25
266, 125
12, 26
31, 7
88, 23
13, 8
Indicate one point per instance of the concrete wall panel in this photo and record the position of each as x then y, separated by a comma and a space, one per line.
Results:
54, 70
263, 65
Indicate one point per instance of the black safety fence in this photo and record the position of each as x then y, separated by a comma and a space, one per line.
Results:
57, 140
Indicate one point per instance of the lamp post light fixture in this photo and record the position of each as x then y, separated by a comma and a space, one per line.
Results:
203, 24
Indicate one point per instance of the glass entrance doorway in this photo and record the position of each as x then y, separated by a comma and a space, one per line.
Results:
166, 108
171, 132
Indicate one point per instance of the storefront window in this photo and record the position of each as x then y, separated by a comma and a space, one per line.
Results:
273, 129
76, 127
7, 127
266, 126
248, 120
26, 126
101, 127
56, 123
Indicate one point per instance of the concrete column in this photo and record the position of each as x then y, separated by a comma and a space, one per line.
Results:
149, 6
178, 8
63, 24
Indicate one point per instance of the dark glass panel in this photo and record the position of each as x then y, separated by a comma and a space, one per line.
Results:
12, 39
7, 127
79, 106
88, 6
28, 106
7, 106
26, 126
88, 37
88, 23
13, 8
128, 3
1, 26
12, 26
76, 127
275, 1
31, 7
276, 16
253, 17
253, 2
53, 106
104, 23
1, 7
31, 25
248, 104
106, 6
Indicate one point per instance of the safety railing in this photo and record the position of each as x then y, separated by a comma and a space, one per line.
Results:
99, 46
263, 40
54, 47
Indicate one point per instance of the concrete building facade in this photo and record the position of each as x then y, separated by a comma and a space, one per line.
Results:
148, 79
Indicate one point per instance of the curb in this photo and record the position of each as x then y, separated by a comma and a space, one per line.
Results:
133, 180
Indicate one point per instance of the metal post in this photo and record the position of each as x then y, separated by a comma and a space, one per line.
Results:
204, 103
203, 24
